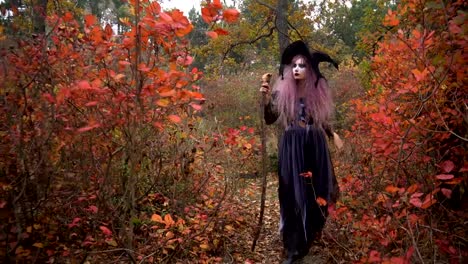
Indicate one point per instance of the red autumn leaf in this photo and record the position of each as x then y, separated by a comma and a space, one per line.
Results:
168, 220
217, 4
230, 15
444, 177
332, 210
86, 128
157, 218
409, 254
306, 174
118, 77
38, 245
74, 222
92, 208
397, 260
429, 200
92, 103
212, 34
158, 125
415, 200
170, 235
454, 181
90, 20
153, 8
196, 106
391, 189
374, 256
446, 192
50, 98
68, 17
166, 17
166, 91
179, 17
84, 85
142, 67
106, 231
209, 14
221, 31
183, 30
381, 198
412, 188
391, 19
185, 60
197, 95
447, 166
321, 201
174, 118
164, 102
464, 169
108, 30
420, 75
417, 195
91, 125
124, 63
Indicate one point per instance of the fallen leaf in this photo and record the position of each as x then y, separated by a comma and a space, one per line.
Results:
444, 177
38, 245
307, 174
321, 201
174, 118
157, 218
106, 231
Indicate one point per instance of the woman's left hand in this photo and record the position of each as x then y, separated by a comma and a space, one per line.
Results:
337, 140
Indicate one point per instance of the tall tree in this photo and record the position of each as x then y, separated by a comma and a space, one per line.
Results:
281, 24
96, 7
39, 10
348, 21
36, 8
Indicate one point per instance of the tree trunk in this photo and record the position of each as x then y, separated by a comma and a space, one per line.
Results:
283, 41
282, 25
39, 16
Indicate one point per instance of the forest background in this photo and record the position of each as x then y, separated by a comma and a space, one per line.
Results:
130, 133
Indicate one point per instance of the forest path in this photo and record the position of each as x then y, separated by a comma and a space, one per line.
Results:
269, 245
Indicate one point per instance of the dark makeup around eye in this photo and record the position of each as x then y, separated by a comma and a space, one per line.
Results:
301, 65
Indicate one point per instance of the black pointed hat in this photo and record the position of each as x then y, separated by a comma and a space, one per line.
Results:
314, 58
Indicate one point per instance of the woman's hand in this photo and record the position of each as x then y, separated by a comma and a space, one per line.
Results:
337, 140
265, 89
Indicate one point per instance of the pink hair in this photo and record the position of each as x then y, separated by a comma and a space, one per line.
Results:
318, 99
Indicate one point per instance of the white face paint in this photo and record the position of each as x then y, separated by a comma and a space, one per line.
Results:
299, 69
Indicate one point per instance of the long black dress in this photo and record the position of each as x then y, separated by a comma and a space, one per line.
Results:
303, 149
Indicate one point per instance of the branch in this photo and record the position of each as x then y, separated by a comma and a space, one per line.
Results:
250, 42
266, 5
295, 30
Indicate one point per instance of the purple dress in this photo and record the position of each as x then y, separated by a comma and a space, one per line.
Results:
303, 149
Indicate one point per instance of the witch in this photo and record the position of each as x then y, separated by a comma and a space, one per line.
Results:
301, 102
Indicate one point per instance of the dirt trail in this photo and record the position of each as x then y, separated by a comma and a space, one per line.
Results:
269, 246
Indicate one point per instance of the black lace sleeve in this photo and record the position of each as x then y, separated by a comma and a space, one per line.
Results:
270, 111
328, 130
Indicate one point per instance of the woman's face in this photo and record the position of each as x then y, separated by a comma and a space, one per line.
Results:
299, 69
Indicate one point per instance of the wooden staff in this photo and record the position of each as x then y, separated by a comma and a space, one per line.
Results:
265, 85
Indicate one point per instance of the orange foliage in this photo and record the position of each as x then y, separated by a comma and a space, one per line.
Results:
411, 129
231, 15
85, 114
